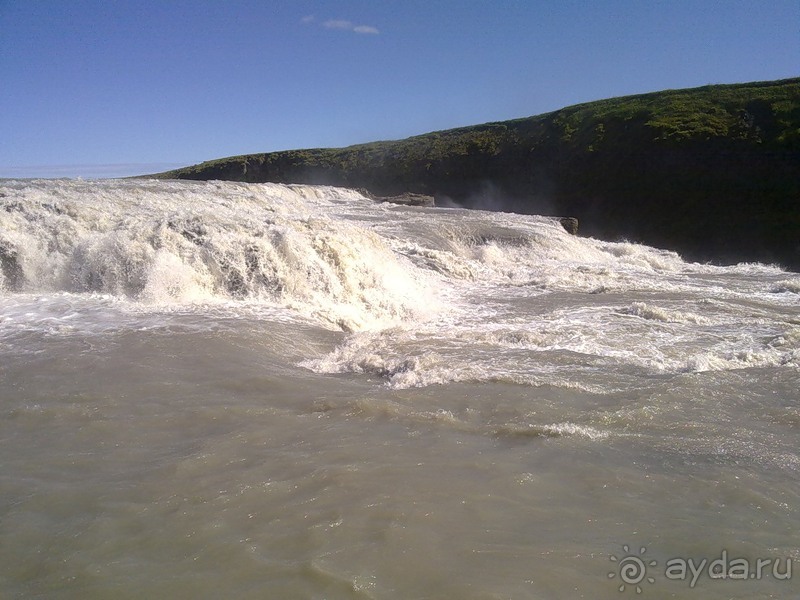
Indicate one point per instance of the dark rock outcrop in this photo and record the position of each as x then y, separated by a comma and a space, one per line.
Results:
408, 199
12, 270
570, 224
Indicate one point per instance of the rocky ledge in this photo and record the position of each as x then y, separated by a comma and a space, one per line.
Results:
570, 224
407, 199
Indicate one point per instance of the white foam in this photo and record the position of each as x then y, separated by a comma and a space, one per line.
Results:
791, 286
431, 297
645, 311
567, 428
166, 243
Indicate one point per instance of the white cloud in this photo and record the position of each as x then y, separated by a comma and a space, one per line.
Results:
350, 26
366, 29
338, 24
307, 19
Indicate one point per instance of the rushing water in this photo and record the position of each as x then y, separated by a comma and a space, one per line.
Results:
223, 390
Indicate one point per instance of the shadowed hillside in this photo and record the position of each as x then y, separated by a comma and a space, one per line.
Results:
713, 172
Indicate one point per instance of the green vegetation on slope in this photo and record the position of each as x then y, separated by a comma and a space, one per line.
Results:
713, 172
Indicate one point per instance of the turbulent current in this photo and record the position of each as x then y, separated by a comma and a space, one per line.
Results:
224, 390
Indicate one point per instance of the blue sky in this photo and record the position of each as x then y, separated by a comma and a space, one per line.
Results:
112, 88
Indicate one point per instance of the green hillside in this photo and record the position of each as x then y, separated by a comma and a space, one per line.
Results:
713, 172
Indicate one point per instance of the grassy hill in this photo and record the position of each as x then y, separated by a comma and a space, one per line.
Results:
713, 172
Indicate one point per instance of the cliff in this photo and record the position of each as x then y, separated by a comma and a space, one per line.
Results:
712, 172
